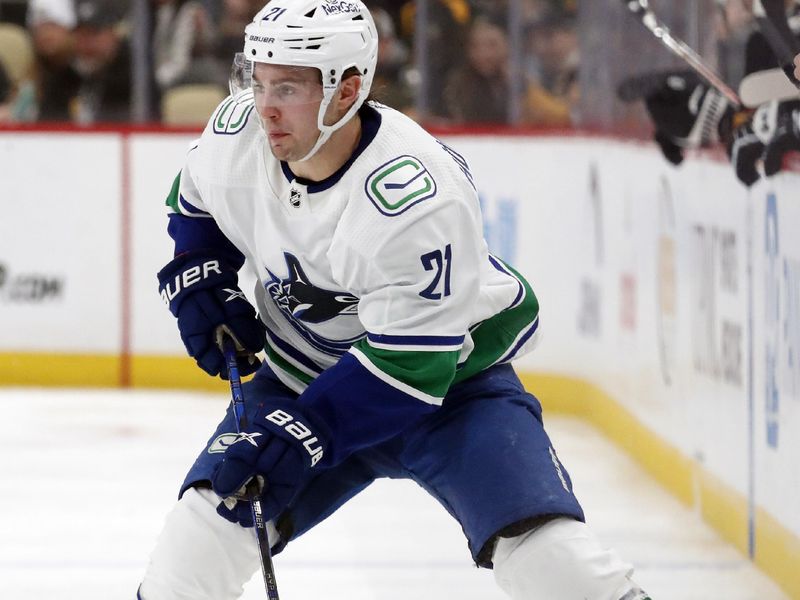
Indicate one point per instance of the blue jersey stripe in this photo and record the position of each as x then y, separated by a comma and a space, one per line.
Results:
416, 340
293, 352
525, 337
500, 267
192, 210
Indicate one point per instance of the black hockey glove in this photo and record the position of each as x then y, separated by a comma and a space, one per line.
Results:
785, 139
203, 293
279, 449
763, 141
745, 150
686, 112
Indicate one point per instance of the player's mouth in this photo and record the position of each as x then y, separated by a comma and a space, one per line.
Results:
275, 136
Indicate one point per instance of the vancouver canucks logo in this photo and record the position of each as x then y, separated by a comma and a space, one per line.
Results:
399, 184
305, 304
231, 116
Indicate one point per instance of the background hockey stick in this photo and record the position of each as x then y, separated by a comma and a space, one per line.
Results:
765, 86
771, 17
237, 399
679, 48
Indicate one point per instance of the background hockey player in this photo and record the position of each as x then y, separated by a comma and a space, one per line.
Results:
687, 113
388, 327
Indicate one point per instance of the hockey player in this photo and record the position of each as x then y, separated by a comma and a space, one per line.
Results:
388, 327
687, 114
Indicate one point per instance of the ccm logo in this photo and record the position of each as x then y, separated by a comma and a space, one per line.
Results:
188, 278
299, 431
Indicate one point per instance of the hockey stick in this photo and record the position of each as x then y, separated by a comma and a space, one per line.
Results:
765, 86
679, 48
771, 17
237, 399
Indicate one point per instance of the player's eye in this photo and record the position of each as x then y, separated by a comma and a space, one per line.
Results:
285, 90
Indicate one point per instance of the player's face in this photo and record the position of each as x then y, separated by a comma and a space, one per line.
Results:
287, 100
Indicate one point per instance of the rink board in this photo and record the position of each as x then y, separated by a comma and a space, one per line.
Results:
670, 299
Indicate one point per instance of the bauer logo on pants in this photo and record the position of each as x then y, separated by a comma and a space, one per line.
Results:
399, 184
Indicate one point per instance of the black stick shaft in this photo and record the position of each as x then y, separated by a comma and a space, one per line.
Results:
237, 398
771, 17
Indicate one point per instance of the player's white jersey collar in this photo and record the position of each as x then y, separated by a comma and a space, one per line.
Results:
370, 124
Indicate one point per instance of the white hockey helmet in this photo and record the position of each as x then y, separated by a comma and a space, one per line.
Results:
330, 35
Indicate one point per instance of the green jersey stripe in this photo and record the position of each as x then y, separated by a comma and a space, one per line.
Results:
279, 361
175, 194
428, 373
495, 336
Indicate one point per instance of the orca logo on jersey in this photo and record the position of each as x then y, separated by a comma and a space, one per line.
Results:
302, 300
399, 184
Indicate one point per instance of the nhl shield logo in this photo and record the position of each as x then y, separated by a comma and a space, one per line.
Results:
294, 197
400, 184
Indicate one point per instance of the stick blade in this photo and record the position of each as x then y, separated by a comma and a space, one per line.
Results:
765, 86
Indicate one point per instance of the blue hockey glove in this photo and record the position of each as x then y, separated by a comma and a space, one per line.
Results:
203, 293
278, 449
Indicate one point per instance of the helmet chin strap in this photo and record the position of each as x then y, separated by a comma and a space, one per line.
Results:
325, 131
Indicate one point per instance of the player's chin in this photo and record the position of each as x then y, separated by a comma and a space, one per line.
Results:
280, 151
287, 152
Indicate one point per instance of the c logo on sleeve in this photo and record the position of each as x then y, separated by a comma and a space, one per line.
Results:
399, 184
231, 116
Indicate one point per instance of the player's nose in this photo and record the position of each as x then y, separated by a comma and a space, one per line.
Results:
267, 110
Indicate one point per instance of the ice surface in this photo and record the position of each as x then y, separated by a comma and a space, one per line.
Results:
86, 477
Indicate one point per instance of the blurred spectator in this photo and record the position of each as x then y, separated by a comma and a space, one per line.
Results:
5, 95
477, 91
52, 24
96, 85
182, 44
447, 24
229, 36
552, 92
17, 87
529, 10
391, 84
13, 11
734, 26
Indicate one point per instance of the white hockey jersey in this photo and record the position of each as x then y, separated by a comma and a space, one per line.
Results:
385, 259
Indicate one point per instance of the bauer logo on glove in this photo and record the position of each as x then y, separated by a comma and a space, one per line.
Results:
188, 278
299, 431
203, 293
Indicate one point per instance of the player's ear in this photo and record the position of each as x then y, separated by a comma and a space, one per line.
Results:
348, 92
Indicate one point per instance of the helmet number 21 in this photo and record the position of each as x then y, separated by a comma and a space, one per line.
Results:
439, 263
273, 14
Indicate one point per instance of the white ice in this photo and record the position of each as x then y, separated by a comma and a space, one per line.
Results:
86, 477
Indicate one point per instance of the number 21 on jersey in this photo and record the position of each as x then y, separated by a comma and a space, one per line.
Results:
438, 262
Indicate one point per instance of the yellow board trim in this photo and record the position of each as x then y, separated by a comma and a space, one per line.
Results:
60, 370
777, 551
